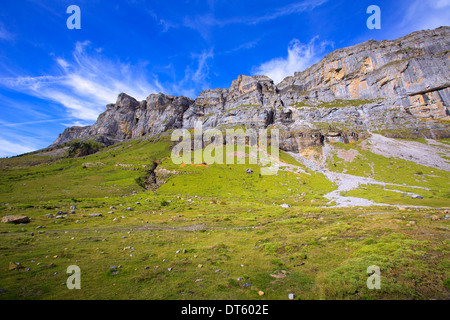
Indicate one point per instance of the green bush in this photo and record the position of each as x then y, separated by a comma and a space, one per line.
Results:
81, 149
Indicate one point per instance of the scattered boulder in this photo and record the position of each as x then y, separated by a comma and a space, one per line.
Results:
291, 296
15, 219
416, 196
249, 171
285, 205
95, 214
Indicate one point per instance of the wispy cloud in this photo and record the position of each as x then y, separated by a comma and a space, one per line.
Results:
300, 56
196, 76
424, 14
243, 46
5, 34
85, 83
25, 123
202, 23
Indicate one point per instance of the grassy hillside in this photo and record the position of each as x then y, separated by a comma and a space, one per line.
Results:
215, 231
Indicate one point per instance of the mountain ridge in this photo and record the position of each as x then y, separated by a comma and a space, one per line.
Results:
399, 88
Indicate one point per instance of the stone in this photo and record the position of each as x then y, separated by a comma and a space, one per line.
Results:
15, 219
416, 196
249, 171
246, 285
95, 214
285, 205
14, 266
261, 293
291, 296
129, 209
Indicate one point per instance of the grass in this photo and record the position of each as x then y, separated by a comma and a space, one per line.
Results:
207, 218
433, 183
337, 103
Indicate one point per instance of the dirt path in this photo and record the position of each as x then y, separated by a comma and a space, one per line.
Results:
346, 182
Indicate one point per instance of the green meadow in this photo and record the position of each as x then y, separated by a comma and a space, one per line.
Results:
215, 231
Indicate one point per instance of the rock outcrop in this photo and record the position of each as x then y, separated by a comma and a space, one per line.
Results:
399, 88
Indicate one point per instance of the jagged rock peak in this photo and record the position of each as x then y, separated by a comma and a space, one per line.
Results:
126, 101
400, 88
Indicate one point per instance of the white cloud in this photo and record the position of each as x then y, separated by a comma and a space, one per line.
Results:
300, 56
6, 148
86, 83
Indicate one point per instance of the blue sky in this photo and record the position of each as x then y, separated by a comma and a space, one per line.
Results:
52, 77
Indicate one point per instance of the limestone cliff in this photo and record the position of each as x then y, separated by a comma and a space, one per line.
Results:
398, 88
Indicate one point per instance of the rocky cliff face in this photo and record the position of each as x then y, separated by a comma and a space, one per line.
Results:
399, 88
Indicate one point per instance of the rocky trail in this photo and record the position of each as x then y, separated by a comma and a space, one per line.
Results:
346, 182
